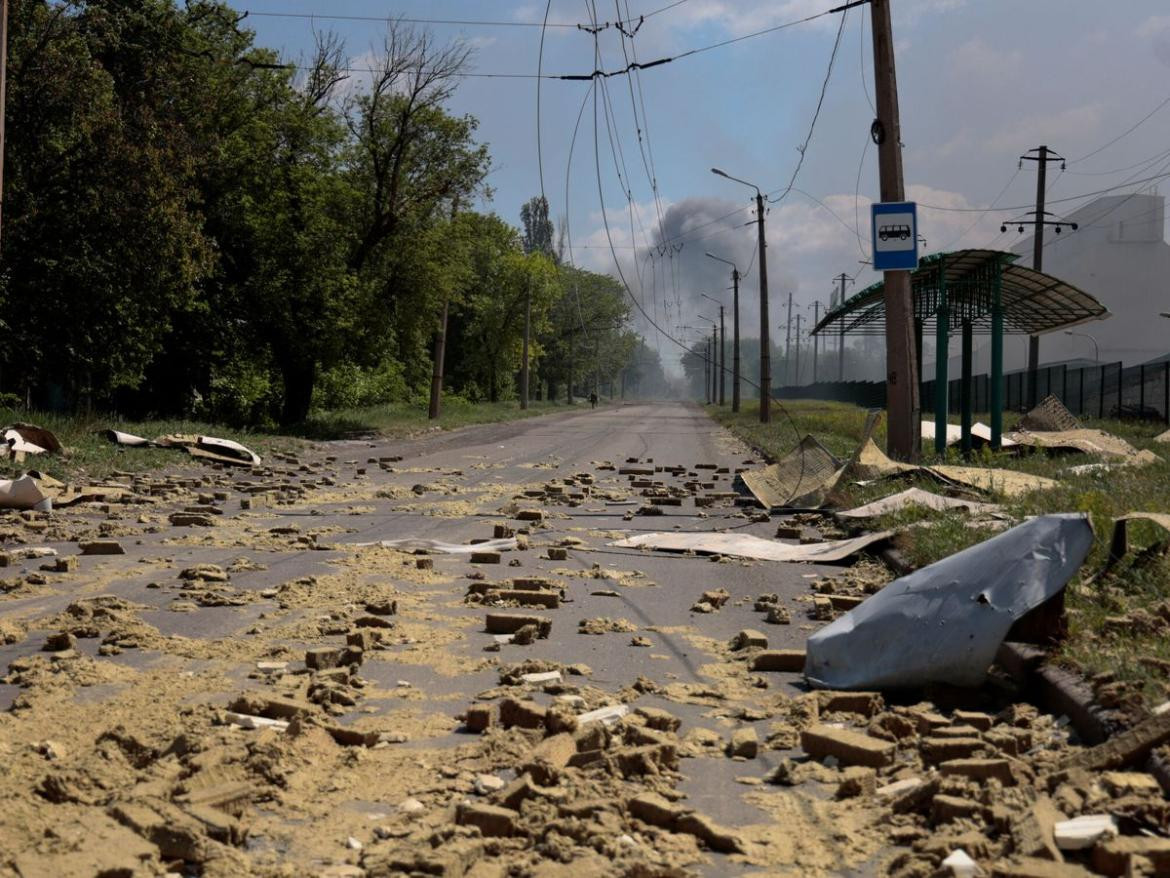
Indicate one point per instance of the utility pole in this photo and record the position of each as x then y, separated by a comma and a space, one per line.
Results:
843, 278
765, 338
797, 348
572, 353
527, 332
436, 402
723, 359
765, 332
904, 431
788, 344
735, 324
816, 338
597, 373
1042, 157
440, 352
709, 374
735, 341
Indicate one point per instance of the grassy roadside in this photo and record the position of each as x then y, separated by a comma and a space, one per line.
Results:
1118, 623
91, 457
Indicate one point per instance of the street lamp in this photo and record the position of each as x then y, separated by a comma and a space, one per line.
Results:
765, 338
735, 329
1096, 349
722, 358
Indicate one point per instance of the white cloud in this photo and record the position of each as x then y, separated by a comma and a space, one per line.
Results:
1073, 124
1153, 26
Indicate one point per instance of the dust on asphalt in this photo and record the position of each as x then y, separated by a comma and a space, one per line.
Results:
256, 693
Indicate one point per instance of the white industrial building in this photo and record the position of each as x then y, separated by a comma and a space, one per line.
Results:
1120, 256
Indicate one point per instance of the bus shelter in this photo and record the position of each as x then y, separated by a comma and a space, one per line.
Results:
974, 291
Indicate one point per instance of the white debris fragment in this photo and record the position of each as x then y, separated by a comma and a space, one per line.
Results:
545, 677
895, 789
247, 721
411, 806
607, 715
488, 783
353, 844
1084, 832
961, 864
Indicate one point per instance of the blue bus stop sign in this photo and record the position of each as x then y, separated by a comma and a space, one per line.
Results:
895, 236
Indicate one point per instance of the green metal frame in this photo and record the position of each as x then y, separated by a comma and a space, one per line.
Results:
983, 292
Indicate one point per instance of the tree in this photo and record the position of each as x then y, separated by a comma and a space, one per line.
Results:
538, 228
490, 322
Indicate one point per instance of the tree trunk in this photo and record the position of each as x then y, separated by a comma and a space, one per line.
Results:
299, 377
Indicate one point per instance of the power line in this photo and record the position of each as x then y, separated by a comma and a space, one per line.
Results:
1142, 121
460, 22
1064, 200
817, 113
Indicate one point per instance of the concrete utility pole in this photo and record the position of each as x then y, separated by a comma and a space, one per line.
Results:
843, 279
721, 355
798, 348
788, 344
714, 358
816, 338
765, 337
1042, 157
527, 333
709, 375
735, 331
903, 431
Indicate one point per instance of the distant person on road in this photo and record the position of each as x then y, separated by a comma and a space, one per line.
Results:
593, 399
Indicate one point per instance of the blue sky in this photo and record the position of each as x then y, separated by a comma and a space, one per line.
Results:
980, 82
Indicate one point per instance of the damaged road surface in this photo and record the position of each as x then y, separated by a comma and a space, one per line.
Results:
429, 657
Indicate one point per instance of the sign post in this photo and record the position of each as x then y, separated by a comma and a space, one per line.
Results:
895, 236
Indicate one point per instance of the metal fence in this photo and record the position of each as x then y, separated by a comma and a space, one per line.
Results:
1104, 391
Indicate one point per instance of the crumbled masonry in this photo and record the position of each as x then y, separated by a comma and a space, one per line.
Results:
307, 666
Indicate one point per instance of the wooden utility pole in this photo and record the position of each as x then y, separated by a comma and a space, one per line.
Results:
527, 332
904, 430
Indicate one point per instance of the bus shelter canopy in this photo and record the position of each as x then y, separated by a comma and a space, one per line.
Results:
1034, 303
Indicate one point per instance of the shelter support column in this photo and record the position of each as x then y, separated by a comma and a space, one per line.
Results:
997, 358
942, 336
966, 391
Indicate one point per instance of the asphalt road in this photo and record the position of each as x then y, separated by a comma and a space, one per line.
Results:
467, 479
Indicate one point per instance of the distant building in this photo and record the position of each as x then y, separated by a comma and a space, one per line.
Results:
1118, 254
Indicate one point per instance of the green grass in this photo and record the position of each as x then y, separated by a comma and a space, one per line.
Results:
1140, 583
398, 420
91, 457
